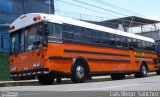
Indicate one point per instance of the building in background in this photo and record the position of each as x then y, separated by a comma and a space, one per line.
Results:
12, 9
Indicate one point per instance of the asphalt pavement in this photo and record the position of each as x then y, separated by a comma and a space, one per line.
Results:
89, 89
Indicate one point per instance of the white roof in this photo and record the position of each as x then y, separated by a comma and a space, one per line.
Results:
28, 20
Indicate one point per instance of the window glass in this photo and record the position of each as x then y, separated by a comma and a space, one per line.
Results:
124, 41
22, 42
112, 41
58, 31
143, 45
67, 27
32, 35
139, 44
87, 32
105, 41
104, 35
130, 42
54, 30
82, 38
119, 40
152, 47
135, 44
97, 40
67, 35
96, 33
51, 29
77, 29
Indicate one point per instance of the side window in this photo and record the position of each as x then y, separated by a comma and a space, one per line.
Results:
77, 29
152, 47
67, 27
143, 45
147, 46
67, 36
55, 33
139, 44
119, 40
135, 44
87, 32
104, 38
17, 43
58, 31
130, 42
67, 32
124, 41
112, 41
82, 38
96, 33
96, 40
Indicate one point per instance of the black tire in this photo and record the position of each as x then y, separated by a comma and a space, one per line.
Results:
142, 73
158, 72
117, 76
47, 79
79, 72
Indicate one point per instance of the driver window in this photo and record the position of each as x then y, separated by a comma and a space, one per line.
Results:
54, 32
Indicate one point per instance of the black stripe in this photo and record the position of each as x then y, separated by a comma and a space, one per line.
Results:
108, 60
113, 71
137, 61
99, 53
59, 58
144, 57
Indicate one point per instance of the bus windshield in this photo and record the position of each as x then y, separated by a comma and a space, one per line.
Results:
24, 39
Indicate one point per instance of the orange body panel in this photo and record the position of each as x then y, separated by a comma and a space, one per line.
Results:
96, 56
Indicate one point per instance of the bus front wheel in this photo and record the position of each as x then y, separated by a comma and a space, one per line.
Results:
142, 73
79, 72
158, 72
47, 79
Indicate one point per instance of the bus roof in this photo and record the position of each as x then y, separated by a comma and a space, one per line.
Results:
32, 18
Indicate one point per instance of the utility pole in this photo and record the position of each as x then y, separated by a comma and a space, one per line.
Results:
51, 7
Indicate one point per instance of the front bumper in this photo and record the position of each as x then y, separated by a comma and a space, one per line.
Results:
34, 72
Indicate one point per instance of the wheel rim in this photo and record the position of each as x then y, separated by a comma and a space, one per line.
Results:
80, 71
144, 70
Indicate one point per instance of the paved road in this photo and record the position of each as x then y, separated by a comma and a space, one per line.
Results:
140, 84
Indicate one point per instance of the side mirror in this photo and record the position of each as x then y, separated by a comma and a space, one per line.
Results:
46, 31
44, 41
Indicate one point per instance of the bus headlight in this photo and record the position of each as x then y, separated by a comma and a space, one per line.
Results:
13, 69
37, 65
34, 65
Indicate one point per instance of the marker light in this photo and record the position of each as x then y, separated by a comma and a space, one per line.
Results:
11, 27
35, 19
39, 18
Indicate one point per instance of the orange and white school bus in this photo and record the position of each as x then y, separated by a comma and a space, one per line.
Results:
50, 46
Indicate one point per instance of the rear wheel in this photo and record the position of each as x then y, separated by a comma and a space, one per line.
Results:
142, 73
47, 79
78, 73
117, 76
158, 72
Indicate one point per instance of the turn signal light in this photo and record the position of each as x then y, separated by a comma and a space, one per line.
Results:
37, 18
11, 27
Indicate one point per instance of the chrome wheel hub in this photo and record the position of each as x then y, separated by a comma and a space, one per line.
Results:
80, 72
144, 70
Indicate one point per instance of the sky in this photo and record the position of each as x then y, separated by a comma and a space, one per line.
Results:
148, 8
